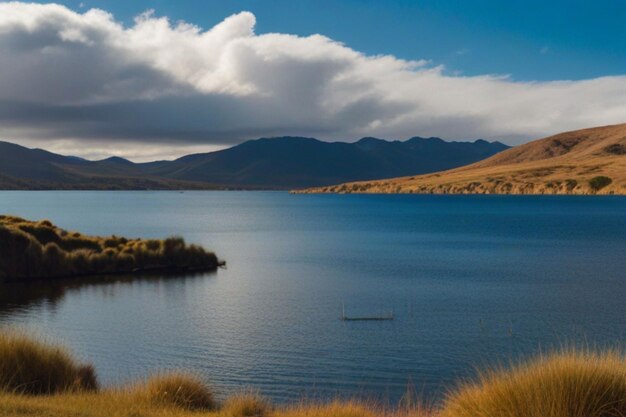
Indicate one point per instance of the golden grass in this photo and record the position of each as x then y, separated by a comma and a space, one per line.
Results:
103, 404
176, 389
29, 367
564, 384
121, 404
246, 404
568, 384
332, 409
32, 250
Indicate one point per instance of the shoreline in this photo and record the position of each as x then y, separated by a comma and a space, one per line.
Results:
168, 271
41, 379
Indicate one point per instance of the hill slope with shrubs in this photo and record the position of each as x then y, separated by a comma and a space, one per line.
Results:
589, 161
41, 250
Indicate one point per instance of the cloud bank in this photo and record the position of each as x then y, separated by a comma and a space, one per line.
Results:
71, 79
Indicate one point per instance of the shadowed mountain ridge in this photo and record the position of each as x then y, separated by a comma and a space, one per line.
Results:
266, 163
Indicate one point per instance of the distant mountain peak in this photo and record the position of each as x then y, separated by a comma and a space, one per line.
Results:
431, 138
277, 139
367, 139
116, 160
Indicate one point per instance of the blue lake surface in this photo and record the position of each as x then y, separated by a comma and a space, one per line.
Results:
472, 280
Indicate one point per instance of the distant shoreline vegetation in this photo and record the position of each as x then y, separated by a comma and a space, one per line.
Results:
32, 250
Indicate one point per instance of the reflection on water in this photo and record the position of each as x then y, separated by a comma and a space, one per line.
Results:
19, 297
471, 280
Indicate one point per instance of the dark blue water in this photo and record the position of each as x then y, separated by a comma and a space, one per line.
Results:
472, 280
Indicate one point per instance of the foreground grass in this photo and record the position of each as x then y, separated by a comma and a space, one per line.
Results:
564, 384
105, 404
568, 384
126, 405
31, 367
41, 250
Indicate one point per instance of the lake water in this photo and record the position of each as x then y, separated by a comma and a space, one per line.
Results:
472, 280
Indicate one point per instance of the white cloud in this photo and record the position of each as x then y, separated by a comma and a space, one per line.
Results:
72, 77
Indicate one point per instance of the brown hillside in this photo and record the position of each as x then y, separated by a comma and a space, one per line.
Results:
588, 161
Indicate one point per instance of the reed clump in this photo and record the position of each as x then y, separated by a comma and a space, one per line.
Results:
177, 390
33, 250
35, 368
571, 383
246, 404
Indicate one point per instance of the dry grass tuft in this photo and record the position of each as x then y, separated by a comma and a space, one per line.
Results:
332, 409
352, 408
246, 404
568, 384
178, 390
33, 368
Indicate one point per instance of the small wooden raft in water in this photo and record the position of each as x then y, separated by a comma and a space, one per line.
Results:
343, 317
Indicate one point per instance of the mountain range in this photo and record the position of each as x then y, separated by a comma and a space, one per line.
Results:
588, 161
267, 163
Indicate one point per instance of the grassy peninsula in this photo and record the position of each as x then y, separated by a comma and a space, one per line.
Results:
39, 379
41, 250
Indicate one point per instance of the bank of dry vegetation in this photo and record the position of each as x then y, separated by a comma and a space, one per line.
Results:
41, 250
584, 162
38, 379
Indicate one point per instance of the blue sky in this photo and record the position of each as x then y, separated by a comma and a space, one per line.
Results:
107, 83
530, 40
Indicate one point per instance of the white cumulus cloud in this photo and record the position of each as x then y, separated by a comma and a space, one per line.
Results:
72, 79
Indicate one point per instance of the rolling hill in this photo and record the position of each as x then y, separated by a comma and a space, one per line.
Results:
588, 161
267, 163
